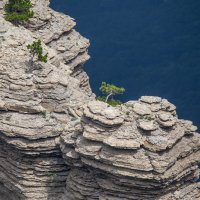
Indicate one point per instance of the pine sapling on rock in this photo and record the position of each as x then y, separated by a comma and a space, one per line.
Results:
36, 51
110, 91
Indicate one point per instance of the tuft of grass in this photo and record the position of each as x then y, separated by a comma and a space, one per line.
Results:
45, 113
146, 154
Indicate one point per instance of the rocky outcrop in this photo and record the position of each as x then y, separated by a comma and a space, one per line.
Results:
136, 151
37, 102
57, 142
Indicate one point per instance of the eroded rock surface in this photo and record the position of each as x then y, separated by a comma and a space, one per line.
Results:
133, 151
37, 102
57, 142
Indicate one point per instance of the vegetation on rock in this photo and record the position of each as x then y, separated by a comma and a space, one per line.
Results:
18, 10
37, 52
110, 91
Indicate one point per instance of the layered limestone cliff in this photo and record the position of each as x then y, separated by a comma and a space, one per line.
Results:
137, 151
38, 102
57, 142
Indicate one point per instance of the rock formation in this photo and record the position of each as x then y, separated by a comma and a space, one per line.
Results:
57, 142
136, 151
38, 102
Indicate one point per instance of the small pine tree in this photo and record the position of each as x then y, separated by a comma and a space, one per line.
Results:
37, 51
18, 10
110, 90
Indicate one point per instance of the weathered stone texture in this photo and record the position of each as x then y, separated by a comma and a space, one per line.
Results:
37, 102
133, 152
58, 142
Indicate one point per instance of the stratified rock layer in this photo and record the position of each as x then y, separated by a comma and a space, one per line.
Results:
139, 150
37, 102
57, 142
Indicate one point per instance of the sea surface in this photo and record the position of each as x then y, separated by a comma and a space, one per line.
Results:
149, 47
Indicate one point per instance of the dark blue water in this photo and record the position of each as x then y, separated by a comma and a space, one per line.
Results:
148, 47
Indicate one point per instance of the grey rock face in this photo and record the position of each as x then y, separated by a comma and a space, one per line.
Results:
57, 142
144, 155
37, 102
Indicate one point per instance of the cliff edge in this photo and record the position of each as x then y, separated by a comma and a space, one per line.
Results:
58, 142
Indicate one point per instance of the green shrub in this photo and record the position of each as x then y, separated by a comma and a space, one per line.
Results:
110, 90
37, 52
18, 10
112, 102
